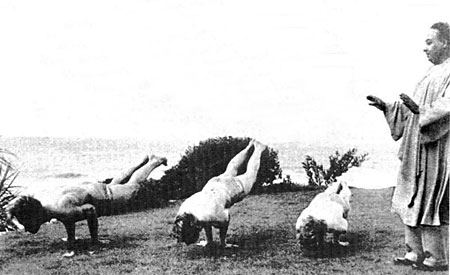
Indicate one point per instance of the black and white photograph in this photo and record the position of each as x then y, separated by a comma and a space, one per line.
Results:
224, 137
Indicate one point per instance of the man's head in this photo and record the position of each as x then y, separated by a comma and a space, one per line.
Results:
186, 229
311, 234
438, 43
28, 212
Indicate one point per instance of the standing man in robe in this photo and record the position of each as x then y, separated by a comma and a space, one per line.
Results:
421, 197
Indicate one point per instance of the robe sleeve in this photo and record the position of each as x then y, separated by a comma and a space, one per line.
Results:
434, 121
396, 116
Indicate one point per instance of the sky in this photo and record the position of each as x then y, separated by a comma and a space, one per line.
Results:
189, 70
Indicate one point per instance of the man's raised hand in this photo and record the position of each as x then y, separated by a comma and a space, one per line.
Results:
412, 106
376, 102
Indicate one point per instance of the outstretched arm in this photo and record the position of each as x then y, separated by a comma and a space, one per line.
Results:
396, 115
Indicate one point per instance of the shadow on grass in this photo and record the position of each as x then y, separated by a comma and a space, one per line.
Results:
39, 246
279, 241
357, 243
249, 244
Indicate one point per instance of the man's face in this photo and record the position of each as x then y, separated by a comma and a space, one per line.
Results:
434, 48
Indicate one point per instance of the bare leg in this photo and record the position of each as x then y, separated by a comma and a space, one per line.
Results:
334, 188
143, 172
123, 194
249, 178
125, 176
238, 160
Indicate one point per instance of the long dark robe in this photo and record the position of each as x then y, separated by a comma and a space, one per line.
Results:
421, 195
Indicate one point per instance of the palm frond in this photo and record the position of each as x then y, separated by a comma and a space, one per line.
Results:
8, 174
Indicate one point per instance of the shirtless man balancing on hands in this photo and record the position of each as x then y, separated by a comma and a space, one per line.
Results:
210, 207
70, 203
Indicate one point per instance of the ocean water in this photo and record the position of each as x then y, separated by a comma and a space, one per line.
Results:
43, 160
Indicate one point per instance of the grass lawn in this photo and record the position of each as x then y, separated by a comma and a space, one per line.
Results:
262, 226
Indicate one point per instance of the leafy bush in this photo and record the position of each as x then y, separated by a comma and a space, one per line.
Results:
153, 194
317, 175
8, 174
285, 184
210, 158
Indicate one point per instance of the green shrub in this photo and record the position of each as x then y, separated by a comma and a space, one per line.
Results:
210, 158
8, 174
319, 176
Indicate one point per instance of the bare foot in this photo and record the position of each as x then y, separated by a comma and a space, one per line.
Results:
164, 161
251, 142
161, 160
145, 159
260, 146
